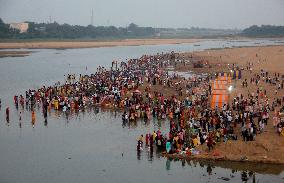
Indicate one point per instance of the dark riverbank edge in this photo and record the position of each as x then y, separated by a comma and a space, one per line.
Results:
266, 166
4, 53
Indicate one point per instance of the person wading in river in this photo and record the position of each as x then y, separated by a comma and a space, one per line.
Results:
210, 142
7, 114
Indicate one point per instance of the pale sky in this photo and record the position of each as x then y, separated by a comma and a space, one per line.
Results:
155, 13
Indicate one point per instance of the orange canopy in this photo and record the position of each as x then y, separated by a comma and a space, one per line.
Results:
219, 100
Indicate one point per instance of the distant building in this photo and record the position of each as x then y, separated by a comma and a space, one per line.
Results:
41, 29
22, 27
158, 34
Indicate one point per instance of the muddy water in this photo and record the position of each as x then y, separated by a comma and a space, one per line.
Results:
94, 145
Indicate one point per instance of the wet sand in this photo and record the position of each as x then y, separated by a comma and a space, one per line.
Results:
262, 168
90, 44
14, 53
268, 146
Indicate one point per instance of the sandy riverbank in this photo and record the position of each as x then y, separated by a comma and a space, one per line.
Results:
265, 57
14, 53
268, 146
90, 44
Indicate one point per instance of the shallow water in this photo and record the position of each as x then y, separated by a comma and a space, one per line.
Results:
94, 145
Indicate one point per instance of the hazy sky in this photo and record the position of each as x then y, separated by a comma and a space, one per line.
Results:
155, 13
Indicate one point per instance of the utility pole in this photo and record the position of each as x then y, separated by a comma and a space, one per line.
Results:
92, 18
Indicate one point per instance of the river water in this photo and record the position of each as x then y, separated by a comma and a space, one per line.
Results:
94, 145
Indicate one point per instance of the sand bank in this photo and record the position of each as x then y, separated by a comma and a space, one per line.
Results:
264, 57
90, 44
14, 53
268, 146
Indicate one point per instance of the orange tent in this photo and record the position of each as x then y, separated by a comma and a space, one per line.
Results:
219, 82
219, 100
219, 87
224, 78
219, 92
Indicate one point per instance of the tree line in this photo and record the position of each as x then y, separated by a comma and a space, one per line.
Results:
66, 31
263, 31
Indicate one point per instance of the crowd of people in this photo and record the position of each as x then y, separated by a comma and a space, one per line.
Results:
137, 87
106, 88
244, 118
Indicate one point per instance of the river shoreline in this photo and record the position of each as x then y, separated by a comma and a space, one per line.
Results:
14, 53
268, 148
258, 167
210, 157
91, 44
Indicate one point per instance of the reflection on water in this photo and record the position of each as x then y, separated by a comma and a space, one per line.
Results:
210, 168
94, 145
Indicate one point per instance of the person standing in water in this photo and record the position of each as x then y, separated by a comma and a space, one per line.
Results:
20, 119
7, 114
33, 118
